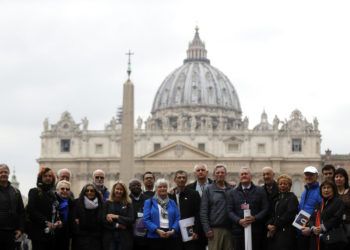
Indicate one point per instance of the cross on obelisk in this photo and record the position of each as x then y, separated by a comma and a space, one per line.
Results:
127, 136
129, 54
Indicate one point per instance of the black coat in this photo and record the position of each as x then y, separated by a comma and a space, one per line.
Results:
190, 202
11, 209
126, 218
258, 204
87, 233
331, 217
39, 211
283, 213
272, 196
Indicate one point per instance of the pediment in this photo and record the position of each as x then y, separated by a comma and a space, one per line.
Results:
233, 139
179, 151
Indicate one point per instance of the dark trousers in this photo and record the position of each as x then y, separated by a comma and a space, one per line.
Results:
7, 240
189, 245
238, 242
140, 243
42, 245
162, 244
303, 242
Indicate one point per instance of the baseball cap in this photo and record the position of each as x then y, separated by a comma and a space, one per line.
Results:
311, 169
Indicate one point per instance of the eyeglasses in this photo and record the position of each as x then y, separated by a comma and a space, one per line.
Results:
90, 191
99, 177
64, 189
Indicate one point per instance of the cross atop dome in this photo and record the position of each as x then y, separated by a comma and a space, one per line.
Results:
196, 49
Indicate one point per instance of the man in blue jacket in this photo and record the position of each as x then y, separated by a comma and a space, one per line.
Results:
310, 198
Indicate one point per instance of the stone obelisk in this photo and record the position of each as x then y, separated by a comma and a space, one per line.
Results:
127, 137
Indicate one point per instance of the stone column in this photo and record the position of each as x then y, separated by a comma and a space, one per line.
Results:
127, 137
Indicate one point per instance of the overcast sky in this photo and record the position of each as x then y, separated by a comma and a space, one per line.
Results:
70, 55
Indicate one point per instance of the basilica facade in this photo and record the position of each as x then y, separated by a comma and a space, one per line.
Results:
196, 117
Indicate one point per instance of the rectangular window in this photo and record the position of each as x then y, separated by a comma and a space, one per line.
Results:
99, 148
296, 145
65, 145
232, 147
261, 148
201, 146
156, 146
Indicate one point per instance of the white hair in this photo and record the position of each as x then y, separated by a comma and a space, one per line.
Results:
98, 171
160, 182
59, 172
62, 183
200, 165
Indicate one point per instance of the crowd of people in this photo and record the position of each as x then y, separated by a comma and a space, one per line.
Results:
149, 214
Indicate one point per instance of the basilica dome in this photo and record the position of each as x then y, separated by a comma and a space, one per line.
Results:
197, 84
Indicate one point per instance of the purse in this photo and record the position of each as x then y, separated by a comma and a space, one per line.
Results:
335, 235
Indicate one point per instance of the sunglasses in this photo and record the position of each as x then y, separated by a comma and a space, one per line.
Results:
99, 177
200, 170
90, 191
64, 189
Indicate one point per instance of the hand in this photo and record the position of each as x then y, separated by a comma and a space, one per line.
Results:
170, 233
195, 236
111, 217
271, 228
50, 225
210, 234
250, 219
244, 222
161, 233
306, 231
316, 230
58, 224
18, 234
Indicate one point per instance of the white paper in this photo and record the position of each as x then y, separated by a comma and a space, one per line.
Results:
247, 232
186, 228
301, 219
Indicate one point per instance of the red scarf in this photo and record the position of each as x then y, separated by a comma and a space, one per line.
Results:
318, 224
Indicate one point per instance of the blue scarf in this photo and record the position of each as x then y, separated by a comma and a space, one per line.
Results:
63, 208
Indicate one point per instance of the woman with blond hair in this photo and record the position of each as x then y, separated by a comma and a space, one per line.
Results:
118, 217
281, 233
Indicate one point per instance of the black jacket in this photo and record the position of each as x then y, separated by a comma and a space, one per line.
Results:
189, 206
87, 234
272, 196
11, 209
126, 218
331, 215
282, 216
256, 198
39, 211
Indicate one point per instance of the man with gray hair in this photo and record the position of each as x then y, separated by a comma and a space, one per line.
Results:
213, 211
247, 196
64, 174
99, 179
11, 211
201, 172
